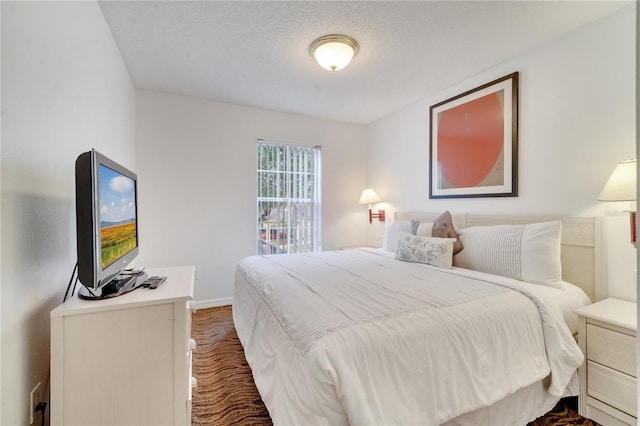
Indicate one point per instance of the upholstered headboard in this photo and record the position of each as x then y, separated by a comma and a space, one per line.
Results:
582, 244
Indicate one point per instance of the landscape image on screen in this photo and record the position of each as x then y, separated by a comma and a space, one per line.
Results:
118, 234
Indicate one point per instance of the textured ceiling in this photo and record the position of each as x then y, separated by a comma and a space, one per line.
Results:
256, 53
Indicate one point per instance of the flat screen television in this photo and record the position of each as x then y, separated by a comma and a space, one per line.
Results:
106, 226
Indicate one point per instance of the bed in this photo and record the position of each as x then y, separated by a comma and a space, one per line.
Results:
360, 337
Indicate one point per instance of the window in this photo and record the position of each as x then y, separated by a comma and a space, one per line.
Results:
288, 198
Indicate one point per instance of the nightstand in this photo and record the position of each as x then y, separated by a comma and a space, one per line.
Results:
607, 337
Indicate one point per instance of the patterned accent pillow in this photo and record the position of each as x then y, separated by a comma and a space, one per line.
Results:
528, 253
443, 228
432, 251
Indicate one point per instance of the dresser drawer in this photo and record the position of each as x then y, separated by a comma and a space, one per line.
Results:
612, 387
611, 348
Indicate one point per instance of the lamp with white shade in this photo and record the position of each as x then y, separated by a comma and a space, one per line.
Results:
621, 186
369, 196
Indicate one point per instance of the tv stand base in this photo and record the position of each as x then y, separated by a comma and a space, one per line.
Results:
115, 287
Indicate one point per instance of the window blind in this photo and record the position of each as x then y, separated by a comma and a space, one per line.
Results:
288, 201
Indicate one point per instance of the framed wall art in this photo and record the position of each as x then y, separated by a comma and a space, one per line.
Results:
473, 142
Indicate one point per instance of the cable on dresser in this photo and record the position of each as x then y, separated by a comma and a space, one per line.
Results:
75, 268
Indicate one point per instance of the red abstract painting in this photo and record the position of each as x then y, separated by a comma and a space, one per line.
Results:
470, 140
474, 142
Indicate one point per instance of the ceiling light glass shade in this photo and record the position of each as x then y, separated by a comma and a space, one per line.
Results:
369, 196
621, 185
333, 52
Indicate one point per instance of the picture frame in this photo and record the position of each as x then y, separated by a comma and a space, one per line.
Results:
473, 142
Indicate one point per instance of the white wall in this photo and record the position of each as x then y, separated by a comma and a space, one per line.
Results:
64, 90
196, 165
637, 186
577, 120
0, 224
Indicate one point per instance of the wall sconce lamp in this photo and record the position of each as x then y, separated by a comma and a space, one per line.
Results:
369, 196
621, 186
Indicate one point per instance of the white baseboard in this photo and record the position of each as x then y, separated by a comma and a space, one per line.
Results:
212, 303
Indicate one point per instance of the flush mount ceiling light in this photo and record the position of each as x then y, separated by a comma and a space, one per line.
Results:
334, 52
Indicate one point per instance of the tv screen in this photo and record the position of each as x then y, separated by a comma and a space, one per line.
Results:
118, 232
106, 225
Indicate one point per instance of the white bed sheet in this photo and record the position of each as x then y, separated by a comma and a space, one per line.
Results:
519, 408
567, 299
313, 369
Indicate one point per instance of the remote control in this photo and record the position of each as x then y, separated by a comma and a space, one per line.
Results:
153, 282
147, 282
157, 282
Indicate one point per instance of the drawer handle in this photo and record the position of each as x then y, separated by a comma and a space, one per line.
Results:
192, 345
191, 306
194, 383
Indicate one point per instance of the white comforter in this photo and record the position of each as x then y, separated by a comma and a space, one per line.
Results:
357, 337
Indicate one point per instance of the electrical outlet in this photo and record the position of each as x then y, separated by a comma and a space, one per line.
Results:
34, 397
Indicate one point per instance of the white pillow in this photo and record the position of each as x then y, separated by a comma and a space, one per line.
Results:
528, 253
424, 229
430, 250
391, 232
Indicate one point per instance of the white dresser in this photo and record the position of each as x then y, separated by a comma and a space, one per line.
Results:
607, 337
126, 360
